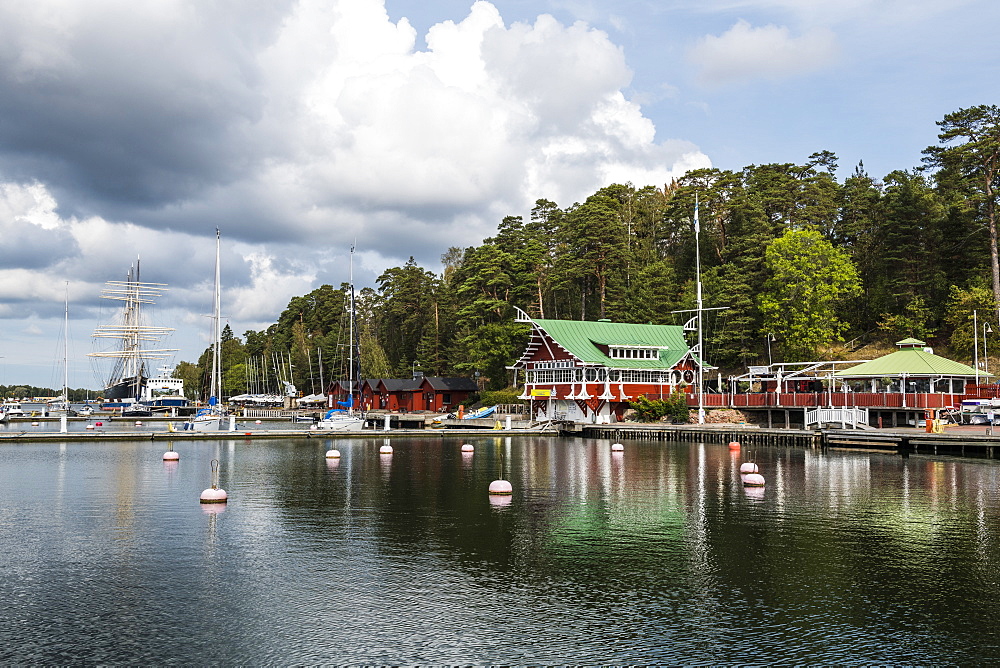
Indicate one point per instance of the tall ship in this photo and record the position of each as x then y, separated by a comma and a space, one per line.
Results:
131, 341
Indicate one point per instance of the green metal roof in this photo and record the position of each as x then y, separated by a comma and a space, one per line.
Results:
580, 338
910, 342
909, 361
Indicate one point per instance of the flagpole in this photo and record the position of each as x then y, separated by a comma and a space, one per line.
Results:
697, 264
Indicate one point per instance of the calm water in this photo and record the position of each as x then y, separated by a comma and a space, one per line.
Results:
659, 555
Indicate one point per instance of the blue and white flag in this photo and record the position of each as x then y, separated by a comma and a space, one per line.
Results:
697, 226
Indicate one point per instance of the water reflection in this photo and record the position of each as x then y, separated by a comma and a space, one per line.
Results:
656, 555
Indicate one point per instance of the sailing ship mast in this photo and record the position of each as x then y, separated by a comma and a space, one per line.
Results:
130, 330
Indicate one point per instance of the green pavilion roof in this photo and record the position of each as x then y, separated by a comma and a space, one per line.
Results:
582, 337
911, 361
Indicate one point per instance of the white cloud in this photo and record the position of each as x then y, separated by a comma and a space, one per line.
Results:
297, 128
745, 53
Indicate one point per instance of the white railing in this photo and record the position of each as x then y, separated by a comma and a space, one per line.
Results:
269, 413
845, 416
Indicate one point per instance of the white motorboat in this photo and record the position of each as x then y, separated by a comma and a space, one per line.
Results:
338, 420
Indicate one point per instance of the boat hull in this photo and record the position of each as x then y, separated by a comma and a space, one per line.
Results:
211, 423
341, 423
126, 388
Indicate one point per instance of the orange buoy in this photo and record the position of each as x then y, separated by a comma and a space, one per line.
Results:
734, 445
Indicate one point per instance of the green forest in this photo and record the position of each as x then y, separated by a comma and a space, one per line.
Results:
796, 264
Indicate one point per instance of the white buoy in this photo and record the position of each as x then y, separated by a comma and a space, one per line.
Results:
257, 422
753, 480
385, 450
333, 454
617, 447
34, 424
89, 426
467, 447
501, 487
748, 467
213, 494
138, 423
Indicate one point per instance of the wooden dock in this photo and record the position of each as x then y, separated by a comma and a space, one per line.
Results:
977, 442
752, 436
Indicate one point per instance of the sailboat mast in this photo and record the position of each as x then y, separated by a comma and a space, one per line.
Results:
216, 383
66, 350
350, 354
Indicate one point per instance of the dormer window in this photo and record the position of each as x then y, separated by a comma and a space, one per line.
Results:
633, 353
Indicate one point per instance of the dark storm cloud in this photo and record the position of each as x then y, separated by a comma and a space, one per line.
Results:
125, 111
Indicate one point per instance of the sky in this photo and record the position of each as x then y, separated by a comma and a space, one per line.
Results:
300, 128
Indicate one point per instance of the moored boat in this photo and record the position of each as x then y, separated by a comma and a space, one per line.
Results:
132, 335
212, 417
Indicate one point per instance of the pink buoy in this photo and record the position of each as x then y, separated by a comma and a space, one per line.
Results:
99, 424
468, 448
214, 495
617, 447
748, 467
333, 454
171, 456
501, 487
753, 480
257, 422
385, 450
734, 445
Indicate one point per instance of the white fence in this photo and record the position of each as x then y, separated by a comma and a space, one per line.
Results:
845, 416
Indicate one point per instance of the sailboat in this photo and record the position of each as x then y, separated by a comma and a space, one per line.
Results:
344, 418
210, 419
132, 336
60, 405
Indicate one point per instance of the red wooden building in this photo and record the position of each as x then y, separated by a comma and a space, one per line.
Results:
588, 371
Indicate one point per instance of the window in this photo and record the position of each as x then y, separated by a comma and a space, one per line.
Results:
554, 364
633, 353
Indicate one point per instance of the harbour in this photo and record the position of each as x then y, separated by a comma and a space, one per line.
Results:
656, 554
978, 442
